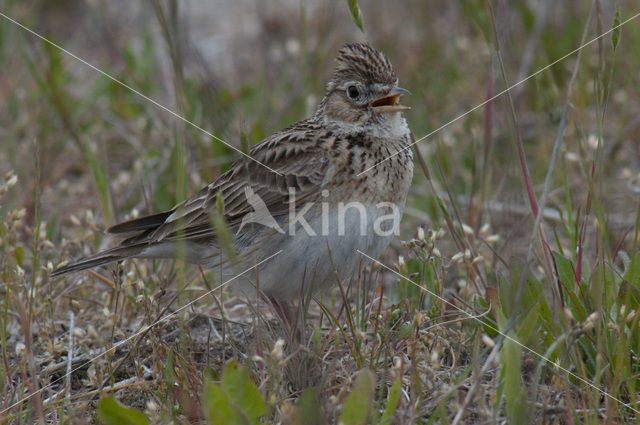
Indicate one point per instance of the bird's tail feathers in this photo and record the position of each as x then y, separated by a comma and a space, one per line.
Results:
105, 257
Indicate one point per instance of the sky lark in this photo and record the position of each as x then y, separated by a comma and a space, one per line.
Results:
300, 196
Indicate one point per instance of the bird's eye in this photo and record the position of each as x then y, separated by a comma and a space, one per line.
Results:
353, 92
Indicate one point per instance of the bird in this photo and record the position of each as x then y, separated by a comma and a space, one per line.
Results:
305, 202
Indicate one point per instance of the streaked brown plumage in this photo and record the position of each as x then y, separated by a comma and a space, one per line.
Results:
358, 123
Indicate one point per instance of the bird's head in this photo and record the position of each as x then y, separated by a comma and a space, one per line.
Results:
363, 89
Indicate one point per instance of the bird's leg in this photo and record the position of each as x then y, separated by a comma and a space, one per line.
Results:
288, 316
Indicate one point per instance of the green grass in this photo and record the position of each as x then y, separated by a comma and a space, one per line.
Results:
486, 315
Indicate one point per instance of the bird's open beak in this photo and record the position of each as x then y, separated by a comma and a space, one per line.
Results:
390, 102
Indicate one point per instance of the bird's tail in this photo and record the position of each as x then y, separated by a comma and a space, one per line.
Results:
136, 243
105, 257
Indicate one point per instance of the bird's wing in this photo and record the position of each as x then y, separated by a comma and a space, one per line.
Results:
296, 153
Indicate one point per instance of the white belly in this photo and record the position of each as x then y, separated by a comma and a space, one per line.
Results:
310, 262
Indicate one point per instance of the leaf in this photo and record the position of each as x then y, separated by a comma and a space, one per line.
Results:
493, 296
615, 34
529, 324
19, 254
308, 407
628, 295
358, 408
356, 13
631, 275
567, 276
515, 399
392, 403
234, 401
565, 271
242, 392
169, 369
218, 408
113, 413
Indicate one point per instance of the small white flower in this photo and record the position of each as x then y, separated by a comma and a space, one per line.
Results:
93, 333
12, 180
571, 156
468, 230
488, 341
590, 322
277, 349
457, 257
568, 315
593, 141
74, 220
435, 359
630, 316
